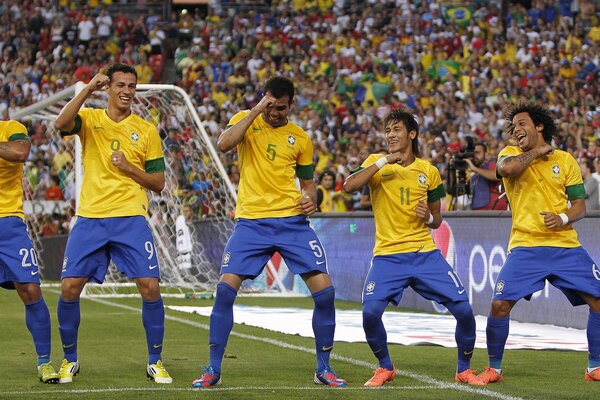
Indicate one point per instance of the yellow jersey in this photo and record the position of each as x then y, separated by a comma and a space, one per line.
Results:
269, 160
395, 192
11, 173
107, 192
327, 203
545, 185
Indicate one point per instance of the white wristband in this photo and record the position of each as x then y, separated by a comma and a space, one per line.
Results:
430, 220
381, 162
564, 217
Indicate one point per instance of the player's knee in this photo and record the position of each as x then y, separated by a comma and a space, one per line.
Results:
461, 311
29, 293
500, 308
372, 312
70, 289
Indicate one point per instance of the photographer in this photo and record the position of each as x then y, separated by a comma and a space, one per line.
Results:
483, 183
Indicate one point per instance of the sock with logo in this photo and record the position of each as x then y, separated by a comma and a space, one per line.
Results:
323, 324
372, 311
68, 324
153, 318
464, 333
221, 323
593, 337
496, 333
37, 319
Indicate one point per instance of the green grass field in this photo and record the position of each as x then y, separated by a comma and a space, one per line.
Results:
259, 364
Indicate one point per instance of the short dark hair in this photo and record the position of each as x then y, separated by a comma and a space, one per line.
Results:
410, 122
120, 67
280, 86
482, 144
538, 114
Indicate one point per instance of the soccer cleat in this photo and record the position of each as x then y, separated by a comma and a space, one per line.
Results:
47, 374
208, 378
67, 371
381, 376
329, 378
593, 375
468, 376
158, 373
490, 375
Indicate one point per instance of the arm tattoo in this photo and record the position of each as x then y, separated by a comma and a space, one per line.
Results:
525, 159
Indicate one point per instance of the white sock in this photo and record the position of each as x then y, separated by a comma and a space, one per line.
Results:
592, 369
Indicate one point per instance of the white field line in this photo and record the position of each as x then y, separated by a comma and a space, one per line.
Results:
418, 377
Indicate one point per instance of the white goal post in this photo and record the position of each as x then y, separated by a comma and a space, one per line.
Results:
191, 267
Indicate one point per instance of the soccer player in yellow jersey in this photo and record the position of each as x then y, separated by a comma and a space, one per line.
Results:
122, 157
405, 194
271, 216
540, 183
18, 259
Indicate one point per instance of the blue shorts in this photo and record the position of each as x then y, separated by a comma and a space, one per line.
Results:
526, 269
428, 273
254, 241
93, 242
18, 259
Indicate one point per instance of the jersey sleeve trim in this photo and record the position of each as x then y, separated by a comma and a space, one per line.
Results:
576, 191
153, 166
18, 136
436, 194
76, 129
305, 171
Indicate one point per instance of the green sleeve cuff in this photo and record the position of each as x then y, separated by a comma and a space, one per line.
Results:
76, 129
18, 136
576, 192
152, 166
436, 194
305, 171
355, 170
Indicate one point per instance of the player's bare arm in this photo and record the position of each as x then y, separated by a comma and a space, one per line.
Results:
232, 136
513, 166
65, 121
574, 214
426, 210
152, 181
308, 202
15, 151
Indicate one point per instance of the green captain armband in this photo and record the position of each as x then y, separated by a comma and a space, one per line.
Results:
305, 171
153, 166
576, 192
436, 194
76, 129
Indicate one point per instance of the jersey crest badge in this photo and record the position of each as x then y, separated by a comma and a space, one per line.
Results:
370, 287
291, 140
555, 169
226, 258
499, 287
422, 179
135, 137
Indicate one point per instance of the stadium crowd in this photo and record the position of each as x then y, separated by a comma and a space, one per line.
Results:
455, 68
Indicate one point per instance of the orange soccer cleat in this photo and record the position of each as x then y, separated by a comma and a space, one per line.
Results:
381, 376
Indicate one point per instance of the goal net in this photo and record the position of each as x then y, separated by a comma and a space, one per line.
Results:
189, 251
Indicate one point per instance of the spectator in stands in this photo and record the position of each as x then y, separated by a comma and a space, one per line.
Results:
53, 192
592, 201
484, 183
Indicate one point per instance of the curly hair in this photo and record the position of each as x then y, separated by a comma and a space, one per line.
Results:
538, 114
